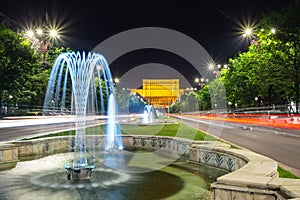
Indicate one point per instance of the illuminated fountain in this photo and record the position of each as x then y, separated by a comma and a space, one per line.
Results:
148, 168
90, 80
149, 114
114, 140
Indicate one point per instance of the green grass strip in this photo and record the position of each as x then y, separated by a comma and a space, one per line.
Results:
286, 174
180, 130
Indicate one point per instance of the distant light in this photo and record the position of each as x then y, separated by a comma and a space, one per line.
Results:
248, 32
117, 80
225, 66
273, 30
197, 80
30, 33
262, 29
219, 66
53, 33
210, 66
39, 31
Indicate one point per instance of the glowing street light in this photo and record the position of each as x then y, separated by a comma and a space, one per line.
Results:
40, 40
39, 31
30, 33
273, 30
247, 32
53, 33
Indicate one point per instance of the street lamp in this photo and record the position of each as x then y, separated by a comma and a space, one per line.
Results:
116, 81
247, 32
273, 30
217, 70
202, 82
41, 40
256, 99
9, 105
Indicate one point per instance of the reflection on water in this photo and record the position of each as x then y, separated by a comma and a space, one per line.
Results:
45, 178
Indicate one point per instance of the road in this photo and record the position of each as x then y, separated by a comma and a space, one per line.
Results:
282, 145
16, 129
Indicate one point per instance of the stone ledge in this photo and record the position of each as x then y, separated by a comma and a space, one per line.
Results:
258, 179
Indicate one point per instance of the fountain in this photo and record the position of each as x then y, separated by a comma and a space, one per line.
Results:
149, 114
114, 140
148, 168
90, 80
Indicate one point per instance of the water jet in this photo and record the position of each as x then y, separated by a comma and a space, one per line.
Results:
90, 82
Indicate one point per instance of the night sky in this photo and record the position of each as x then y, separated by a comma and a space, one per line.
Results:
216, 25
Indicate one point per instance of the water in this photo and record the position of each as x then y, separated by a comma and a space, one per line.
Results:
83, 85
149, 114
45, 179
114, 140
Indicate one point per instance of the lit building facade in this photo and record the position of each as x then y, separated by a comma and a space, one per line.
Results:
160, 92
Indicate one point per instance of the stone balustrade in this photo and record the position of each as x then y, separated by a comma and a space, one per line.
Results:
251, 176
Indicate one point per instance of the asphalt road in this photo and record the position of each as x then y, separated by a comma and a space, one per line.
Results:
26, 131
282, 145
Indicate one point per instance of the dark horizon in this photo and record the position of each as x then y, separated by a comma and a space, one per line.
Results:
215, 25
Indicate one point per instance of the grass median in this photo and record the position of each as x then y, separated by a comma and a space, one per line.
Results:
177, 129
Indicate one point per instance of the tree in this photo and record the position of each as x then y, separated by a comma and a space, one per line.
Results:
269, 69
123, 98
203, 97
290, 35
175, 107
136, 105
17, 64
190, 104
23, 79
37, 87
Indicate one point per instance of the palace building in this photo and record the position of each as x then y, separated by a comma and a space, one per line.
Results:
160, 93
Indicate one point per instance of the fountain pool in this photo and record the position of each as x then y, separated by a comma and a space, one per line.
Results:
45, 179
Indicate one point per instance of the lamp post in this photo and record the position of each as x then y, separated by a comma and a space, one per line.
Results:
256, 99
217, 70
9, 104
41, 40
116, 81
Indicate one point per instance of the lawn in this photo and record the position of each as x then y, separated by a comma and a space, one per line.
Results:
177, 129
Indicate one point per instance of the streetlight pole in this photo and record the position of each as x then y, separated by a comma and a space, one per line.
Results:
41, 41
44, 47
